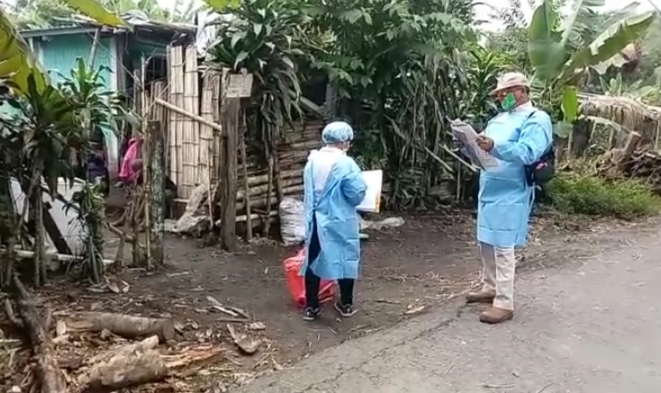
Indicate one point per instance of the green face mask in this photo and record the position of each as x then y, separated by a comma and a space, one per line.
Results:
508, 102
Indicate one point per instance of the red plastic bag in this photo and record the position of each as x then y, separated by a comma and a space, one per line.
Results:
296, 283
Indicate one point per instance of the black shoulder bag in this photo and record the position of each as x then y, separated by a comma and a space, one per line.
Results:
542, 170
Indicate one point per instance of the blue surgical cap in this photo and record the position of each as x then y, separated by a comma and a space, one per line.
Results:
337, 132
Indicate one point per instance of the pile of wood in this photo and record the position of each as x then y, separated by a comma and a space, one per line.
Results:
267, 185
122, 365
633, 161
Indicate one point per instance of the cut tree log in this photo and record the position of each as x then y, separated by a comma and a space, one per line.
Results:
139, 363
124, 325
133, 364
47, 368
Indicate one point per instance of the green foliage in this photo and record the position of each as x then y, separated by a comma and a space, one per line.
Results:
37, 141
562, 53
41, 130
375, 43
90, 207
266, 38
399, 68
483, 72
95, 106
591, 195
41, 14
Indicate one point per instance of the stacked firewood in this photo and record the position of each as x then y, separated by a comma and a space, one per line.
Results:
267, 184
633, 161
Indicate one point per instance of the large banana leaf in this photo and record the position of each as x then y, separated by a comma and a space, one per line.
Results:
17, 62
547, 54
93, 9
609, 43
577, 21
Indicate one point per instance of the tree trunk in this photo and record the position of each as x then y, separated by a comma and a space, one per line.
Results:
124, 325
130, 365
48, 371
157, 202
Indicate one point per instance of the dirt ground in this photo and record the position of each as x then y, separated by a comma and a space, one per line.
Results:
405, 272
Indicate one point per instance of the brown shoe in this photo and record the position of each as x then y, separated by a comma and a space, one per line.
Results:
480, 297
496, 315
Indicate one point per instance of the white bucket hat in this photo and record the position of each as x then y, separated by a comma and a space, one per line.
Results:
510, 79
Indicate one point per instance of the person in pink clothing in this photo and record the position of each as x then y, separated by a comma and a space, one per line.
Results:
127, 173
131, 172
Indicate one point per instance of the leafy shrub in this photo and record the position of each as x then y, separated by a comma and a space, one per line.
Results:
590, 195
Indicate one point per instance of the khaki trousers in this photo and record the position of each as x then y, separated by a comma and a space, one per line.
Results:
498, 265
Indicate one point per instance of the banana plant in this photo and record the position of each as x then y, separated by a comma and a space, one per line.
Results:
561, 61
17, 62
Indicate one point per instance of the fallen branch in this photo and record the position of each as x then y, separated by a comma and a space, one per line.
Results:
47, 369
123, 325
139, 363
26, 254
130, 365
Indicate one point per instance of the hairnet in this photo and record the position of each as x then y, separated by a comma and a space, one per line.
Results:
337, 132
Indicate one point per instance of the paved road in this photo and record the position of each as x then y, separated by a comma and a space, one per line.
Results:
590, 326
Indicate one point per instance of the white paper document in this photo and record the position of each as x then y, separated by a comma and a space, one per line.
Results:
372, 201
468, 138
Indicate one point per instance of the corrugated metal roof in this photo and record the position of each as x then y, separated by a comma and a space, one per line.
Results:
137, 20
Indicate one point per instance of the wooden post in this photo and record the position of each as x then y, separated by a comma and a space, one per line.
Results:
157, 184
233, 88
230, 122
246, 184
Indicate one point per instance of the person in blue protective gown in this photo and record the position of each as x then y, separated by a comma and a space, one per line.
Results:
518, 137
333, 188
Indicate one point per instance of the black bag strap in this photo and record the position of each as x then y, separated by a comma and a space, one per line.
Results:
550, 150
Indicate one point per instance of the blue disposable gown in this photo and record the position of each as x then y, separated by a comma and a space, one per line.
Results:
520, 138
334, 208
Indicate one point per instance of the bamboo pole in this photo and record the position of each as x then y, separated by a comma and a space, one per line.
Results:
177, 86
95, 45
191, 133
191, 116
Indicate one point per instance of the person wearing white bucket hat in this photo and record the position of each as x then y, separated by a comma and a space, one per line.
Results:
519, 137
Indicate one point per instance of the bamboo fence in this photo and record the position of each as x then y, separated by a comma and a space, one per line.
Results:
190, 103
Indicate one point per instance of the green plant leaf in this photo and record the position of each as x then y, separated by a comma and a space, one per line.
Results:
351, 16
241, 57
236, 38
257, 28
96, 11
546, 52
578, 7
221, 5
17, 63
609, 43
569, 104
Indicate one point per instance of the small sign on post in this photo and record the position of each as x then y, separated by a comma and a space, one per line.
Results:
239, 86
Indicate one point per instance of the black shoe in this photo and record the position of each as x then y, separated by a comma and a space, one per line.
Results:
311, 314
345, 310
